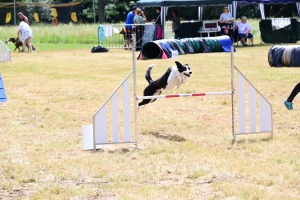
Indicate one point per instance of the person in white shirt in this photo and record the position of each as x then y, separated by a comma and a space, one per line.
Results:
225, 22
244, 31
25, 35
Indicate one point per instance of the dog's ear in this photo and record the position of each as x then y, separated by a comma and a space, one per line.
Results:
122, 31
178, 64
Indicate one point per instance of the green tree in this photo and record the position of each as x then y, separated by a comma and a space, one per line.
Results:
101, 11
110, 11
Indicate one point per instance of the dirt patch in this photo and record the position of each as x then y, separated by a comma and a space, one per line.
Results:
15, 193
174, 138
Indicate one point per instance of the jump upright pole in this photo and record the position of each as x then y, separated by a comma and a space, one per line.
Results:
232, 91
134, 91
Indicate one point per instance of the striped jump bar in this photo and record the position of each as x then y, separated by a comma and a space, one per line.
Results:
184, 95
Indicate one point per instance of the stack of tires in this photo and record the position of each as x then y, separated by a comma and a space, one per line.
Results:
284, 56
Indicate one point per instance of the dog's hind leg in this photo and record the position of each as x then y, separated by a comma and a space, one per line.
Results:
144, 102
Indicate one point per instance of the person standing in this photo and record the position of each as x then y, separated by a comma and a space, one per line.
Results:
139, 19
175, 24
129, 22
225, 22
158, 18
244, 31
25, 35
289, 101
158, 24
23, 18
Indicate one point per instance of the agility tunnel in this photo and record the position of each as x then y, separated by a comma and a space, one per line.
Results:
284, 56
162, 49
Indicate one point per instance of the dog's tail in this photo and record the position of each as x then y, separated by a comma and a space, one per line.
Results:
148, 73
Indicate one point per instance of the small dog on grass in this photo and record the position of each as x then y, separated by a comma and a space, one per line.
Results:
18, 44
174, 76
126, 37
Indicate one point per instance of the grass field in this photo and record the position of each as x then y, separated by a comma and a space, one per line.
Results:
70, 36
186, 153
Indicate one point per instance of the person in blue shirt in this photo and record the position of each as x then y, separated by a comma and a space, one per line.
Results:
129, 21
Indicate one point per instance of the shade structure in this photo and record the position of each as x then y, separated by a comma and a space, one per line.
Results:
170, 3
261, 4
245, 2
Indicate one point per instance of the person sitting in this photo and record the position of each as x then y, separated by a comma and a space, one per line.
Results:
244, 31
225, 22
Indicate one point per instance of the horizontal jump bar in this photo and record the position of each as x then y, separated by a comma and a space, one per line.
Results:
184, 95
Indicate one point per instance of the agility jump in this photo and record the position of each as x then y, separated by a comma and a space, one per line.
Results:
4, 53
97, 133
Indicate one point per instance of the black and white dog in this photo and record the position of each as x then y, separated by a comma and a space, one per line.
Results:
175, 76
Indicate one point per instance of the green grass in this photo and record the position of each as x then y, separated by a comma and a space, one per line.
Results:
63, 33
47, 46
71, 36
186, 153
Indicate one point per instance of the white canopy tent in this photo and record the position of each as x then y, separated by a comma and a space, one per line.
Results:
232, 5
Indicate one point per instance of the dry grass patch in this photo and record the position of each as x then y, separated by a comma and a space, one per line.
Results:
186, 154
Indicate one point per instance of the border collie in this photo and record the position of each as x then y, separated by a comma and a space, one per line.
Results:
174, 76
